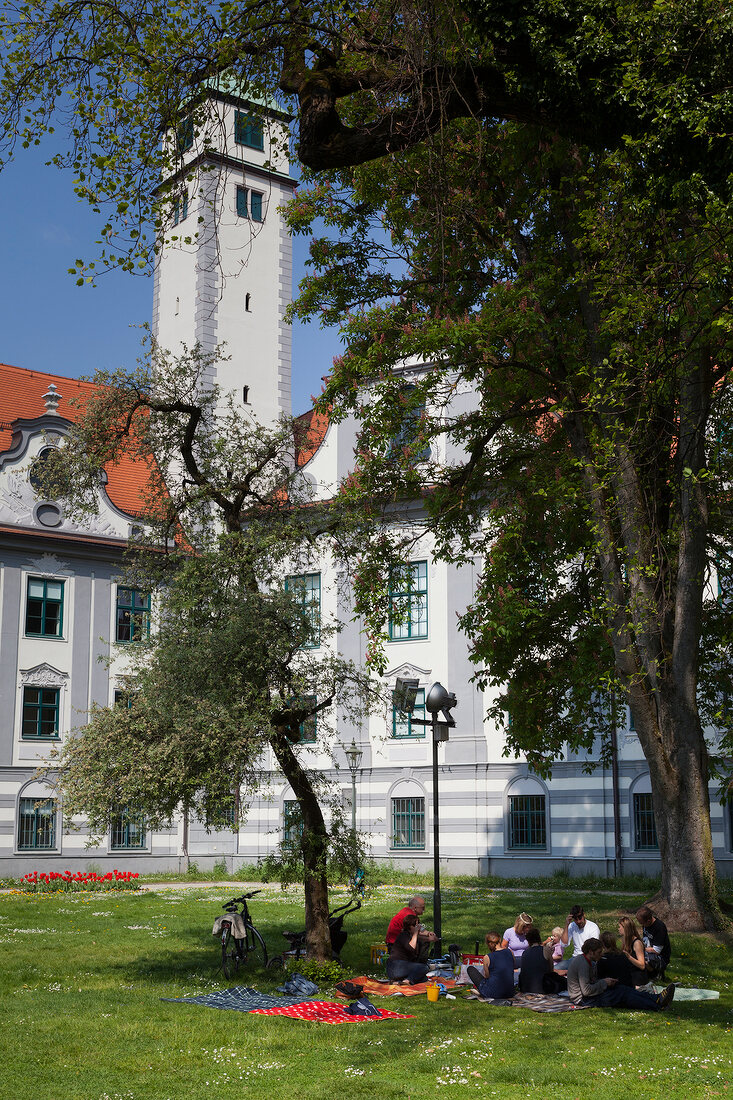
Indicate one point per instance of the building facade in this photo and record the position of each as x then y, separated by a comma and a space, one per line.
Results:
225, 276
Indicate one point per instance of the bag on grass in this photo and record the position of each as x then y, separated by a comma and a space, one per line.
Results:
298, 986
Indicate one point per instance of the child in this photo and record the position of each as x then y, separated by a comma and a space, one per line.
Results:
557, 946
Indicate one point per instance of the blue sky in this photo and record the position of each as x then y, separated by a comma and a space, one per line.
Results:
48, 323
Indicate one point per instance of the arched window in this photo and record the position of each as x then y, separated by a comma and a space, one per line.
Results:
407, 816
527, 812
37, 819
642, 816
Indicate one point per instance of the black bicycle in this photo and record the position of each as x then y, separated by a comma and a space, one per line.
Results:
336, 931
240, 940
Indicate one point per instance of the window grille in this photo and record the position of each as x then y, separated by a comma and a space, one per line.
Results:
37, 824
645, 827
408, 822
292, 824
127, 829
307, 588
527, 821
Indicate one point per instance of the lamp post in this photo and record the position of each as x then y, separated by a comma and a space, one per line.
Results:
438, 701
353, 756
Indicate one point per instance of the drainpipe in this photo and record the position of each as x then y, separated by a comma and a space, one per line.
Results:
618, 851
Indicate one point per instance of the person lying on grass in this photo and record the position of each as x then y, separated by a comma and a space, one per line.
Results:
496, 978
586, 988
404, 962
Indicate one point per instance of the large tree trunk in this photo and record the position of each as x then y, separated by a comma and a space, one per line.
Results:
314, 846
672, 739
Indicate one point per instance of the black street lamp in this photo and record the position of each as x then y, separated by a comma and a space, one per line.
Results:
353, 756
438, 701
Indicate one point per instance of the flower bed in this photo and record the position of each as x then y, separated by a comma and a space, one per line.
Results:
39, 882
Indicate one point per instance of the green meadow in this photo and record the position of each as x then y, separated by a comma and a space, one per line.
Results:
81, 1015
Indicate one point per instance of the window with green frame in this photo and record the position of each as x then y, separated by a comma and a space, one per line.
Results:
248, 131
184, 134
44, 612
127, 829
292, 823
645, 827
408, 601
37, 824
527, 822
180, 209
133, 614
306, 587
408, 822
402, 724
308, 728
40, 714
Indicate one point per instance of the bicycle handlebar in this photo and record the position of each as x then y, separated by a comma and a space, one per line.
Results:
244, 897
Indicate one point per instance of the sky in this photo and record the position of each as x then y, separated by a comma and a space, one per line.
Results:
48, 323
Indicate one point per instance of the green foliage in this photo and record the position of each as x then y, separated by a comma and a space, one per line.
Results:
575, 319
324, 974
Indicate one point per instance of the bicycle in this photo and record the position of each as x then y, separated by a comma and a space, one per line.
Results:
336, 931
248, 942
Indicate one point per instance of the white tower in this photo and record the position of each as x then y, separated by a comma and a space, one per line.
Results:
224, 272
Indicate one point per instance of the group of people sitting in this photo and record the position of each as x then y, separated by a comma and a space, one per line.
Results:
598, 973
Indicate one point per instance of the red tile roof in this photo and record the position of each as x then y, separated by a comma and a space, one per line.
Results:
21, 398
310, 431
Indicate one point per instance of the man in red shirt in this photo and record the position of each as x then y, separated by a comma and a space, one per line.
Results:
415, 905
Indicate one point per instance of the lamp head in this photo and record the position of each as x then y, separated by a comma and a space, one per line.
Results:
405, 694
441, 700
353, 756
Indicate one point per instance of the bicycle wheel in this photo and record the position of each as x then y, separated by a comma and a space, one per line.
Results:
276, 963
226, 962
256, 951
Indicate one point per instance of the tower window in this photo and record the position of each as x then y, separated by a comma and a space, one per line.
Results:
248, 131
242, 211
256, 206
245, 395
180, 210
184, 135
248, 303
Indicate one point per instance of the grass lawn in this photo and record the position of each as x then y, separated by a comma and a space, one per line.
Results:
81, 1016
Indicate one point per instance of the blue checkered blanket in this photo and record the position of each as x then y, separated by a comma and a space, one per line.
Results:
240, 998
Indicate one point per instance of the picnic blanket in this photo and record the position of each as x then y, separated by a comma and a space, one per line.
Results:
538, 1002
374, 988
327, 1012
683, 993
240, 998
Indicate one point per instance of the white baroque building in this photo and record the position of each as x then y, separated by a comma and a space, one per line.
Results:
226, 276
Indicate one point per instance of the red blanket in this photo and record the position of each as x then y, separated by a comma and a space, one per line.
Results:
326, 1012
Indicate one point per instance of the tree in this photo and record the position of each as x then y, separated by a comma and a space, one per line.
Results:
229, 668
365, 82
578, 336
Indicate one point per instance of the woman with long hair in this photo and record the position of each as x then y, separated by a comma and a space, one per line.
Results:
633, 948
496, 978
515, 938
614, 963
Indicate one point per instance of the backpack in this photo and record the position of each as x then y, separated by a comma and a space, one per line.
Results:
362, 1007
